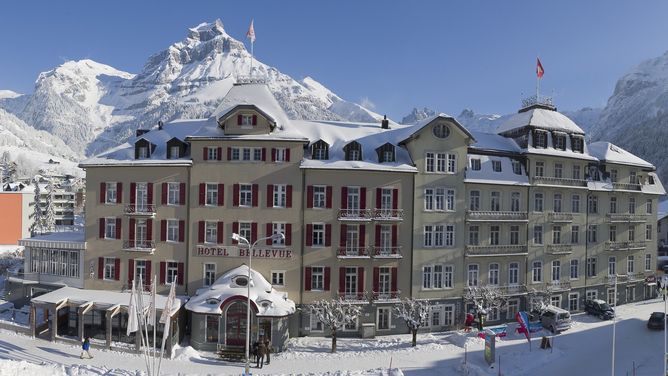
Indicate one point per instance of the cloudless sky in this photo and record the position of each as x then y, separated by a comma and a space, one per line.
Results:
446, 55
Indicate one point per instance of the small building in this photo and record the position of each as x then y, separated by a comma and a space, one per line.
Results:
15, 220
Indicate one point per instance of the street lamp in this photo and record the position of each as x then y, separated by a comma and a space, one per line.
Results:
614, 322
241, 239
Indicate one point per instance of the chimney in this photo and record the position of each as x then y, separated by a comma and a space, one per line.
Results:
160, 124
385, 124
141, 132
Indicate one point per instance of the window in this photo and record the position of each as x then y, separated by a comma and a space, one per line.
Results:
559, 141
280, 195
143, 152
452, 164
429, 199
245, 230
245, 194
556, 270
448, 275
384, 281
633, 177
558, 170
540, 169
278, 277
319, 196
632, 205
591, 234
278, 228
140, 270
110, 228
648, 262
495, 201
538, 202
450, 200
212, 154
449, 235
613, 233
515, 201
316, 325
575, 234
353, 152
441, 131
111, 193
209, 274
613, 204
246, 120
512, 307
438, 276
494, 234
556, 301
592, 294
472, 275
211, 194
173, 193
538, 235
353, 198
513, 273
383, 318
318, 239
212, 322
612, 265
172, 230
575, 203
577, 144
474, 235
573, 299
387, 155
428, 236
429, 162
540, 138
440, 162
281, 155
630, 264
611, 297
211, 232
474, 201
320, 151
317, 278
514, 235
496, 166
517, 167
475, 164
440, 199
493, 277
350, 282
592, 204
574, 269
591, 267
427, 274
537, 272
171, 271
576, 172
556, 234
174, 152
557, 203
109, 268
648, 206
632, 234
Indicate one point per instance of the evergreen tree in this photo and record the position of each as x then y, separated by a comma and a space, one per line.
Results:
37, 226
49, 212
8, 168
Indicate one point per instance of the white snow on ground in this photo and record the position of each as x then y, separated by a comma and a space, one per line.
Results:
583, 350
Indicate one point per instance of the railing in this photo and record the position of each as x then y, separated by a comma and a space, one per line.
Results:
139, 245
386, 296
624, 246
559, 181
20, 274
513, 289
560, 217
559, 249
353, 252
355, 215
387, 252
626, 186
140, 209
496, 250
496, 216
353, 296
636, 276
559, 285
388, 214
626, 217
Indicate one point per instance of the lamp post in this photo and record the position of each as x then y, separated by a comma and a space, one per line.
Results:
241, 239
614, 322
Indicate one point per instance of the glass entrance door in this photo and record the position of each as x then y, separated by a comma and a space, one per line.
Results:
235, 325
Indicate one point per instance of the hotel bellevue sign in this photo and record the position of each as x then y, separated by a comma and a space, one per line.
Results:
267, 253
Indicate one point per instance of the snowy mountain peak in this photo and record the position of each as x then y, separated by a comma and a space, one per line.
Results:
206, 31
417, 115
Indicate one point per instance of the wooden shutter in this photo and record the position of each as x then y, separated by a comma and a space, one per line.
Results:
182, 194
163, 270
377, 240
149, 193
219, 153
119, 193
342, 235
395, 239
163, 230
102, 229
235, 195
393, 280
132, 231
182, 230
379, 194
395, 199
256, 194
205, 154
264, 154
307, 278
202, 194
270, 196
288, 234
235, 229
254, 119
133, 193
344, 197
309, 196
131, 271
328, 278
238, 119
328, 235
221, 194
117, 269
165, 188
363, 198
179, 274
229, 153
119, 223
273, 154
362, 235
287, 154
103, 193
147, 276
309, 235
376, 278
328, 199
100, 268
269, 228
288, 193
149, 229
342, 279
220, 233
360, 279
201, 232
253, 232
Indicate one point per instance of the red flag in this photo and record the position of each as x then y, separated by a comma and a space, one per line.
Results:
539, 69
251, 33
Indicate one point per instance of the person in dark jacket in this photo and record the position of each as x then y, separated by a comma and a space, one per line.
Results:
254, 351
267, 348
261, 350
85, 348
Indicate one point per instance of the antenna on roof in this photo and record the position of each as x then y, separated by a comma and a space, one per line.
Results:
160, 124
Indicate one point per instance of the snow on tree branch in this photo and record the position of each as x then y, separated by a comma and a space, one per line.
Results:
540, 297
485, 297
414, 312
336, 313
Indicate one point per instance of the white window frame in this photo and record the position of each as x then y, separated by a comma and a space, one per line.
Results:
110, 228
210, 232
388, 312
173, 193
318, 235
211, 194
245, 195
172, 231
109, 269
574, 268
280, 195
281, 155
171, 271
319, 196
315, 325
111, 194
513, 273
208, 274
317, 278
573, 297
537, 272
278, 278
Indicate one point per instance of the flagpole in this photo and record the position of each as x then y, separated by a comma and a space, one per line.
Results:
153, 314
251, 67
145, 327
139, 320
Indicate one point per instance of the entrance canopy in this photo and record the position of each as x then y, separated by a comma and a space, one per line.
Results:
234, 285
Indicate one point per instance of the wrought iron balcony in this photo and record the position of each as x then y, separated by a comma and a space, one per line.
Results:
559, 285
548, 180
626, 186
386, 296
355, 215
626, 217
389, 215
147, 246
140, 209
560, 217
352, 252
381, 252
496, 250
508, 216
354, 297
559, 249
509, 290
624, 246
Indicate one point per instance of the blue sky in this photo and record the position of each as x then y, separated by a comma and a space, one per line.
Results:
446, 55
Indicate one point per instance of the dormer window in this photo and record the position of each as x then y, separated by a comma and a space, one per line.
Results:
559, 141
475, 164
577, 144
142, 152
386, 153
246, 120
174, 152
176, 148
539, 138
320, 150
143, 149
353, 151
517, 167
496, 166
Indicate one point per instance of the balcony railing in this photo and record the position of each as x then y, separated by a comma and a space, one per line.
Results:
139, 245
560, 217
626, 217
626, 186
386, 296
140, 209
353, 252
355, 215
559, 285
559, 249
624, 246
496, 216
513, 290
547, 180
496, 250
390, 215
356, 297
636, 276
387, 252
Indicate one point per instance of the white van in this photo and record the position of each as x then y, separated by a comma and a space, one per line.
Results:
555, 319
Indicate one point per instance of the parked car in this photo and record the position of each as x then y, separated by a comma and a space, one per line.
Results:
656, 321
600, 308
555, 319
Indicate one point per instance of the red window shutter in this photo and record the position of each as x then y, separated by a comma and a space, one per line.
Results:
119, 193
131, 271
179, 274
132, 230
344, 197
238, 119
119, 226
328, 278
393, 280
182, 194
288, 234
328, 199
117, 269
182, 230
328, 235
235, 229
362, 198
377, 241
395, 198
221, 194
395, 240
221, 233
270, 196
163, 230
235, 195
342, 235
164, 193
103, 193
362, 235
201, 231
379, 194
163, 270
202, 194
149, 193
254, 119
148, 276
342, 279
133, 193
269, 233
287, 155
253, 232
149, 229
219, 153
273, 154
205, 154
256, 194
376, 278
307, 278
264, 154
309, 196
288, 199
309, 235
360, 279
229, 153
100, 268
102, 225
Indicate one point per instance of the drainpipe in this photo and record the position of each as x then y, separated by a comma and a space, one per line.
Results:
528, 231
301, 258
187, 233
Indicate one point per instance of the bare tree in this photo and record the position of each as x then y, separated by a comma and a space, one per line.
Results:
334, 314
540, 297
485, 298
415, 314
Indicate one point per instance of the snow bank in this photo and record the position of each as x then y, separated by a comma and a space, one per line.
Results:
185, 353
467, 340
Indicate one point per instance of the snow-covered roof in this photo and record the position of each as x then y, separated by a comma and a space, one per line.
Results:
267, 301
252, 94
65, 239
541, 118
424, 122
610, 153
487, 175
490, 141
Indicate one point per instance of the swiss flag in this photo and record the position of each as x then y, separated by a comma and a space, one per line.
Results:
539, 69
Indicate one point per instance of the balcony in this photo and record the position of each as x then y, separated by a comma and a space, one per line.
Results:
388, 215
560, 217
624, 246
353, 297
559, 285
140, 210
626, 186
546, 180
386, 296
626, 217
559, 249
506, 216
496, 250
352, 253
143, 246
387, 252
510, 290
355, 215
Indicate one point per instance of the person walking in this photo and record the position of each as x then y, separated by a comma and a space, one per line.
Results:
261, 350
85, 348
255, 351
267, 348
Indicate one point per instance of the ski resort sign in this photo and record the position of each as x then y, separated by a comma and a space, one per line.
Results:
266, 253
